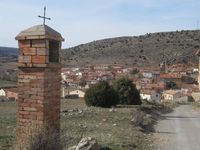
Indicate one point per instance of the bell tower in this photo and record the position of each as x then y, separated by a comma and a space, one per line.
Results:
39, 76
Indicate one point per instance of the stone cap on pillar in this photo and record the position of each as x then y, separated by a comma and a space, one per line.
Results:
39, 46
39, 32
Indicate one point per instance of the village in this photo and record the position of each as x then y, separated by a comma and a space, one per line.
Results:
100, 75
155, 84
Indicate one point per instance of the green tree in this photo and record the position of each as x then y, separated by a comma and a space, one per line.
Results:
127, 92
101, 95
170, 85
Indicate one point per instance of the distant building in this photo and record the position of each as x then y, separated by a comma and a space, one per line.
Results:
12, 94
147, 75
63, 76
173, 96
145, 80
151, 96
101, 67
195, 70
159, 86
170, 75
78, 93
2, 92
170, 95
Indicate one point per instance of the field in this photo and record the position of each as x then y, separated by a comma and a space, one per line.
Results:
7, 79
111, 127
7, 124
8, 65
4, 83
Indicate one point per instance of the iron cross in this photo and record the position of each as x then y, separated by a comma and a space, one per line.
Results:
44, 17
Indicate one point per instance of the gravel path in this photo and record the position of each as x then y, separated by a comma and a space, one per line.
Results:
180, 130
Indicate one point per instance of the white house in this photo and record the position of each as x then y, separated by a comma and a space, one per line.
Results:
79, 93
79, 74
75, 69
3, 95
147, 74
151, 96
2, 92
195, 70
172, 95
63, 76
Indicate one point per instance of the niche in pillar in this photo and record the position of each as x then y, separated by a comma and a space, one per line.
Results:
54, 47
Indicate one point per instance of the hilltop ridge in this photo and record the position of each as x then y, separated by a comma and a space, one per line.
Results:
144, 50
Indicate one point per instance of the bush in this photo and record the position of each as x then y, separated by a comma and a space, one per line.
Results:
127, 92
36, 137
170, 85
101, 95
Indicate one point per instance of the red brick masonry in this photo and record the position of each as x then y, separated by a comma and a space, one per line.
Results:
39, 91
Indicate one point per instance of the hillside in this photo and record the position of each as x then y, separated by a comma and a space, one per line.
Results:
8, 54
8, 65
7, 51
149, 49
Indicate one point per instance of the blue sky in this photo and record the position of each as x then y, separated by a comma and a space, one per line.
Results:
82, 21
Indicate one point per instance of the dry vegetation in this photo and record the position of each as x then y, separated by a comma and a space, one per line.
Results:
111, 127
149, 49
7, 124
196, 106
6, 83
118, 128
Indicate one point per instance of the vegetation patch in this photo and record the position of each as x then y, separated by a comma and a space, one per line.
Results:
4, 83
101, 95
127, 92
123, 92
5, 142
114, 128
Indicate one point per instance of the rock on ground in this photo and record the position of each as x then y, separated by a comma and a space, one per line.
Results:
87, 143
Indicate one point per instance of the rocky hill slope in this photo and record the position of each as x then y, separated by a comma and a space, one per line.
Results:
149, 49
8, 54
8, 51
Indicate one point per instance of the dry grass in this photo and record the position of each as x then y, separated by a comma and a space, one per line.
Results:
196, 106
8, 65
111, 128
38, 137
7, 124
4, 83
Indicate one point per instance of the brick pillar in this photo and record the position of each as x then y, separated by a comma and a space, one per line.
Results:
38, 114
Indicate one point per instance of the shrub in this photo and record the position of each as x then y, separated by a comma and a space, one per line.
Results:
101, 95
127, 92
36, 137
170, 85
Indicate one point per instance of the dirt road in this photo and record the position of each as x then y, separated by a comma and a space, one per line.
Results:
180, 130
